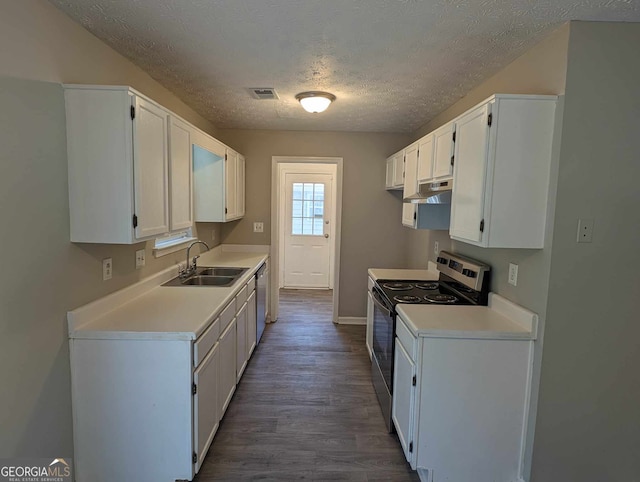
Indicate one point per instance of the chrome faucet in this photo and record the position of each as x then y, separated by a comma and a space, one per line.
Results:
191, 269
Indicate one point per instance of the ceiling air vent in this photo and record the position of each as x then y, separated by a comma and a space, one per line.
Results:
263, 93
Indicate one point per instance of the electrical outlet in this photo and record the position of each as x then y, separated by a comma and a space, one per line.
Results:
436, 248
107, 269
258, 227
513, 274
585, 230
140, 261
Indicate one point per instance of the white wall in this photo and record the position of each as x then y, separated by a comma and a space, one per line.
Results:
588, 426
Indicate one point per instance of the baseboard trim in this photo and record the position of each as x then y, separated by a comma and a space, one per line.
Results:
352, 320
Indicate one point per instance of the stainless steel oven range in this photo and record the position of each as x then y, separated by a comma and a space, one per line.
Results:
462, 281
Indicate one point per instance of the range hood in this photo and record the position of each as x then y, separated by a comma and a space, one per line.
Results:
432, 193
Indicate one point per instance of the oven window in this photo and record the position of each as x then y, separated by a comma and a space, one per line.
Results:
383, 344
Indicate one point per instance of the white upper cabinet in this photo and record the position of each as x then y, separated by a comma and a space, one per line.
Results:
395, 171
443, 151
218, 181
410, 171
425, 158
180, 174
501, 172
117, 145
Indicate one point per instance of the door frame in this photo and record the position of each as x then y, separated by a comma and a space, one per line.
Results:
276, 221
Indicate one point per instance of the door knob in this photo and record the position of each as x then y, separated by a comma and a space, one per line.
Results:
326, 235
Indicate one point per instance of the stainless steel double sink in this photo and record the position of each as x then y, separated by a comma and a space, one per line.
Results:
209, 276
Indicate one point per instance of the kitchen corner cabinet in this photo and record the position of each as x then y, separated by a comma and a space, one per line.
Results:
395, 171
119, 157
453, 395
426, 216
501, 172
219, 182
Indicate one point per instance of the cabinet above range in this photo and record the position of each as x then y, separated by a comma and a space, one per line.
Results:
130, 166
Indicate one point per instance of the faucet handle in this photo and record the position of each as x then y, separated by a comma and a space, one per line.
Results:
194, 262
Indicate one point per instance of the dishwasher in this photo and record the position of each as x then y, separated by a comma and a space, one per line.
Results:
262, 278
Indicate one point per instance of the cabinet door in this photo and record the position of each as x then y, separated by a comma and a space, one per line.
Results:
389, 175
180, 174
230, 181
443, 151
369, 338
241, 342
409, 215
205, 404
410, 171
471, 151
150, 169
227, 378
240, 186
252, 327
402, 412
398, 169
425, 158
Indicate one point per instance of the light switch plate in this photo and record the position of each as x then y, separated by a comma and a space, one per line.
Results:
436, 248
140, 259
107, 269
258, 227
585, 230
513, 274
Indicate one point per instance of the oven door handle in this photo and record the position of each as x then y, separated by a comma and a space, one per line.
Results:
378, 301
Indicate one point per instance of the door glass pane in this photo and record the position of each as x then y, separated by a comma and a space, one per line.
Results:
297, 209
307, 209
296, 226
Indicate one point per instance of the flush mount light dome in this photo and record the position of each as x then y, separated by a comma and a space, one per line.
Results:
315, 101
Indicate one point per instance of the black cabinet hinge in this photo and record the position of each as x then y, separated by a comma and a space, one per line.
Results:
415, 216
225, 210
453, 159
194, 458
413, 381
490, 119
133, 112
482, 226
135, 221
454, 136
411, 447
226, 157
194, 389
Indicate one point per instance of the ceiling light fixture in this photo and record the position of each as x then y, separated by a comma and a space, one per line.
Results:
315, 101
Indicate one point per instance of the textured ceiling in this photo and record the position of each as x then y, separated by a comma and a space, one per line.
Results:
393, 64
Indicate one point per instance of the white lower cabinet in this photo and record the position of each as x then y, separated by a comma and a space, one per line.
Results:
241, 341
147, 409
205, 404
459, 405
227, 382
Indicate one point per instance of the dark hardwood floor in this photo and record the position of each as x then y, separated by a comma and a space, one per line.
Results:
305, 408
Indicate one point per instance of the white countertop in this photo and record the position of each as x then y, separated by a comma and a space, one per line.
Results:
405, 274
502, 319
147, 310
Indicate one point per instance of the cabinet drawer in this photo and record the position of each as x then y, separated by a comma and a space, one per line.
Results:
406, 338
241, 297
227, 315
204, 343
251, 286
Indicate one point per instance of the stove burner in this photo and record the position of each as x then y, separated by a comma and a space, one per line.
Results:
398, 286
427, 286
407, 299
441, 299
